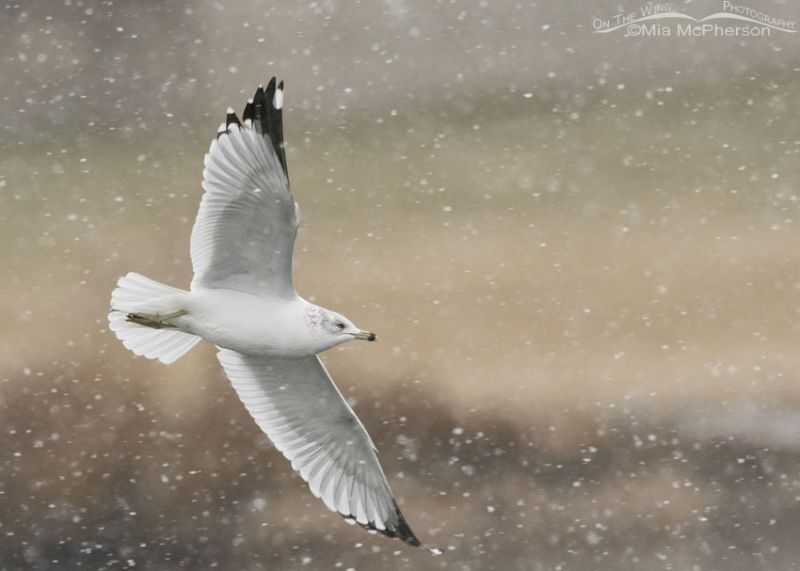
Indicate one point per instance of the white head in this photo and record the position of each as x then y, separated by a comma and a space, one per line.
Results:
330, 328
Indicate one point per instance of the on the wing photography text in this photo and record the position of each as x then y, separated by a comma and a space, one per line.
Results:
663, 20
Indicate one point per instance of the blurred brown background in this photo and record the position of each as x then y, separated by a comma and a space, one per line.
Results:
580, 252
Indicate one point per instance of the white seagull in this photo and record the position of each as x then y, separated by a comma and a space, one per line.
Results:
242, 300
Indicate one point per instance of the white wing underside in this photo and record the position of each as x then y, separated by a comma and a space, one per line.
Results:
296, 404
244, 233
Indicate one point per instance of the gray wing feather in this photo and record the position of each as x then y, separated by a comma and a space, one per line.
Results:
296, 404
244, 233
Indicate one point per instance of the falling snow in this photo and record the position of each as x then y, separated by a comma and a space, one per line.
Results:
578, 250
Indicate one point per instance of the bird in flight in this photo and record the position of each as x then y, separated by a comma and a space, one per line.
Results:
242, 300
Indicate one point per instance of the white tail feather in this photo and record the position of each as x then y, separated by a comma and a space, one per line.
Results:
133, 292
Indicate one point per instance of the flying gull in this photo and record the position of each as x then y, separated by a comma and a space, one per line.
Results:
242, 300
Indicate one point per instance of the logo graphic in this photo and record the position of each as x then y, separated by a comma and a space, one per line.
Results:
661, 20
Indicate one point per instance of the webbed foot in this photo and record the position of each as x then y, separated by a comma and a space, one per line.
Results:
155, 320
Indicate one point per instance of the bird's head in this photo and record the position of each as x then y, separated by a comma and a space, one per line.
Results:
333, 328
340, 326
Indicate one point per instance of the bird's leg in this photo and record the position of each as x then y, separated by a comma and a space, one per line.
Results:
155, 320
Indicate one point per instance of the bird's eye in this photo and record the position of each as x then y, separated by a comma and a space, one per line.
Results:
340, 326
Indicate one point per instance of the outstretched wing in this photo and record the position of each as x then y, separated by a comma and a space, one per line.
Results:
296, 404
244, 233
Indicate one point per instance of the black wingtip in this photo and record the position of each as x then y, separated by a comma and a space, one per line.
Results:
401, 530
258, 107
267, 117
232, 119
248, 111
265, 113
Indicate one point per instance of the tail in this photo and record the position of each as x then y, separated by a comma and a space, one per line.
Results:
133, 292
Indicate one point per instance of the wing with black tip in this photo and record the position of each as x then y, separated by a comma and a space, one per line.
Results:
244, 233
295, 402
